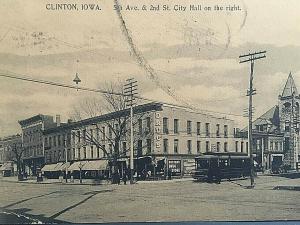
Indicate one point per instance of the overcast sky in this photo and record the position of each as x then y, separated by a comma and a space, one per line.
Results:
192, 54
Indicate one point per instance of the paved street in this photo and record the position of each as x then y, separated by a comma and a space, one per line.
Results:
176, 200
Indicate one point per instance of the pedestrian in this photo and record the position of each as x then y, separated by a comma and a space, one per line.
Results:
124, 178
118, 178
169, 174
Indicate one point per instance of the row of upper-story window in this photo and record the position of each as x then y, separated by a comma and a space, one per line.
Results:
198, 128
57, 140
108, 132
241, 146
274, 145
29, 137
209, 147
35, 150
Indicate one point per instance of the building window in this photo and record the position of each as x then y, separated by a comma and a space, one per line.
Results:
175, 126
225, 147
92, 151
189, 146
218, 130
46, 141
207, 129
140, 148
124, 147
92, 135
287, 126
198, 146
140, 126
189, 127
176, 146
148, 145
73, 153
97, 133
103, 134
110, 149
84, 152
276, 146
166, 145
218, 146
58, 140
198, 128
225, 131
280, 146
271, 145
236, 146
54, 141
84, 135
104, 151
98, 152
207, 146
242, 146
117, 128
110, 132
148, 124
78, 136
78, 152
165, 125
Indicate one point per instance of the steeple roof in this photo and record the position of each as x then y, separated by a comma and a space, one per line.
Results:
289, 87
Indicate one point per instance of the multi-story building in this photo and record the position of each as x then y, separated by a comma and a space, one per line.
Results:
10, 153
32, 138
276, 132
164, 135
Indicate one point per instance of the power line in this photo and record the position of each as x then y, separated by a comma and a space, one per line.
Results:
12, 75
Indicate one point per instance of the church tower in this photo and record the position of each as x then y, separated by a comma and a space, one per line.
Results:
289, 102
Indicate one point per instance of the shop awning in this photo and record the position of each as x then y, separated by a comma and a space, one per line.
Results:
96, 165
64, 166
77, 165
6, 166
49, 167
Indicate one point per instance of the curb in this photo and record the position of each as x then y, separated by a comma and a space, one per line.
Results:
288, 188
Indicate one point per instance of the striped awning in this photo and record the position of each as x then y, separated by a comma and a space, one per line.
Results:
49, 167
77, 165
6, 166
96, 165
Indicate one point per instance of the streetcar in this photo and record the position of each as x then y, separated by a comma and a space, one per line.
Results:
218, 166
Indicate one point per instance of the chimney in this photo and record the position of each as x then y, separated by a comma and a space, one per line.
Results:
57, 120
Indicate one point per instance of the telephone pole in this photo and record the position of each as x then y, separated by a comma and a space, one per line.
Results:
130, 91
251, 57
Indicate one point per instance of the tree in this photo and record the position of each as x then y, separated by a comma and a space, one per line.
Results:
113, 126
17, 151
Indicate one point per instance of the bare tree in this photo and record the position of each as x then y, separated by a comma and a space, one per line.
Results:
113, 129
17, 151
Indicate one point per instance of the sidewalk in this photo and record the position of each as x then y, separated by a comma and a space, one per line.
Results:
32, 180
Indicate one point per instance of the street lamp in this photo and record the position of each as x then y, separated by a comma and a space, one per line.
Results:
80, 169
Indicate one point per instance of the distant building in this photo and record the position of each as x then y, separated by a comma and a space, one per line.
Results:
8, 146
164, 135
32, 138
276, 132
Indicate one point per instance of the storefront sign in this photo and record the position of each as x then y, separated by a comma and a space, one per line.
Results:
175, 166
157, 129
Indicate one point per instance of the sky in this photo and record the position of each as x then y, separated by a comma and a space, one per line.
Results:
194, 55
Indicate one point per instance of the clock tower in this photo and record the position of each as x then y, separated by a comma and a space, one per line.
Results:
289, 102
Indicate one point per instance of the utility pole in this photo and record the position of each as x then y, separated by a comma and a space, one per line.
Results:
66, 154
130, 90
251, 57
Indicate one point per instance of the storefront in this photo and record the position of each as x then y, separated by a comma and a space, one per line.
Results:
96, 169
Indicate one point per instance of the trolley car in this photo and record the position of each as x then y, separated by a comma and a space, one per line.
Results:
218, 166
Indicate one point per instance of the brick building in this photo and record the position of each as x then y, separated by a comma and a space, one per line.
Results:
164, 135
9, 147
32, 138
